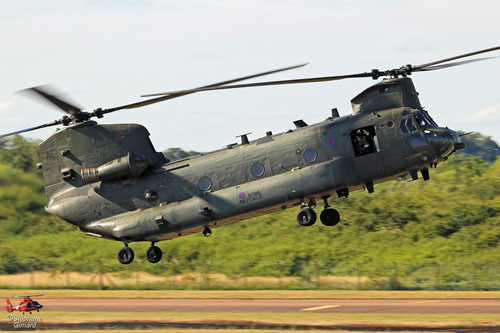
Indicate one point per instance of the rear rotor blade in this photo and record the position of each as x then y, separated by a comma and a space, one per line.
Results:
48, 94
179, 94
234, 80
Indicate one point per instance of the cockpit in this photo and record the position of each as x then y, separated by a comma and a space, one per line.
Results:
424, 119
417, 117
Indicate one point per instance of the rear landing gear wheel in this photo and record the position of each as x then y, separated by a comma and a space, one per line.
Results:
153, 254
329, 217
125, 255
306, 217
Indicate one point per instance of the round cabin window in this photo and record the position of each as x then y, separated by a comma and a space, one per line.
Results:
204, 183
151, 196
257, 169
310, 155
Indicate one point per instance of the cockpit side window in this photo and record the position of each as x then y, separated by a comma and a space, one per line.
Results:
421, 121
429, 118
424, 120
407, 125
411, 125
403, 126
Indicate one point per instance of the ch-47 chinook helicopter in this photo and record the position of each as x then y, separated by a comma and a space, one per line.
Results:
110, 182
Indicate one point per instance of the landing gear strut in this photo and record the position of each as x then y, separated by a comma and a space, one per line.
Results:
306, 216
207, 232
125, 255
329, 216
153, 254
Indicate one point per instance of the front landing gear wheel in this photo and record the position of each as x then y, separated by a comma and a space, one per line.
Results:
329, 217
153, 254
306, 217
125, 255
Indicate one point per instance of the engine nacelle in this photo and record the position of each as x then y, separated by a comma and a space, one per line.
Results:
131, 165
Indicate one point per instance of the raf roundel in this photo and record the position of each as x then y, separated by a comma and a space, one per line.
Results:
242, 195
330, 141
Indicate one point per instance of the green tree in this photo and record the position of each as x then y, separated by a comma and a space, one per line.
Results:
174, 154
480, 145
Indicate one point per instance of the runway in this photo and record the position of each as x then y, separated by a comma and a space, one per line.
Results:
274, 306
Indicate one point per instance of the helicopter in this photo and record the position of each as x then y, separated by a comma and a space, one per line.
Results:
110, 182
26, 305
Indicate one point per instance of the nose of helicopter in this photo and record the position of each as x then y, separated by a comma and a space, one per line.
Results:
445, 141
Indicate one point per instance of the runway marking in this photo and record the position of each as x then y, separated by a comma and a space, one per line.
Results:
320, 307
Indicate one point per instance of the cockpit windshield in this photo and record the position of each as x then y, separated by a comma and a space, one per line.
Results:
424, 119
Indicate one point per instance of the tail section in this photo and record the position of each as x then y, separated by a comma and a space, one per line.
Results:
88, 145
9, 306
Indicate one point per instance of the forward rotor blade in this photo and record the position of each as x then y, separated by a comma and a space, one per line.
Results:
48, 94
419, 67
453, 64
274, 83
55, 122
234, 80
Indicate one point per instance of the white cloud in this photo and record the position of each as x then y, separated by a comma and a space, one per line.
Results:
490, 114
5, 107
106, 53
10, 118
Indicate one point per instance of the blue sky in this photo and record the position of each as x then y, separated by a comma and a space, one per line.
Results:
108, 53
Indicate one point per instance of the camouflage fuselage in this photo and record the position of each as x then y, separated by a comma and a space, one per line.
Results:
274, 172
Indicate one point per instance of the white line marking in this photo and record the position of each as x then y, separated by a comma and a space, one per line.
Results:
320, 307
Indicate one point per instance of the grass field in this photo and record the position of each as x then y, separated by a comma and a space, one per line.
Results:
145, 280
295, 318
224, 321
256, 294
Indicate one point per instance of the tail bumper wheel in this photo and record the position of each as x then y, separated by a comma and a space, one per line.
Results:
153, 254
330, 217
125, 255
306, 217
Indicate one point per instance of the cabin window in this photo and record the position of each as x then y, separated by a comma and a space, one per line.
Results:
204, 183
310, 155
257, 169
364, 141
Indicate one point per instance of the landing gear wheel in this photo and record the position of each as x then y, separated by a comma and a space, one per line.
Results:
153, 254
125, 255
207, 232
329, 217
306, 217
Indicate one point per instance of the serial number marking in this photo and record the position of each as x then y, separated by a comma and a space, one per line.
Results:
251, 196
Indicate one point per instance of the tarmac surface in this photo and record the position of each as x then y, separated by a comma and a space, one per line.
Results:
274, 305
